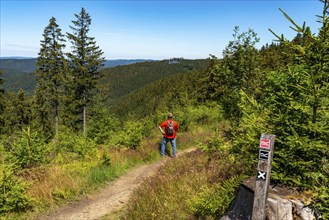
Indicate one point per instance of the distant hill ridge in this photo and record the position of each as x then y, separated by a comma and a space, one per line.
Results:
18, 65
124, 76
18, 72
27, 65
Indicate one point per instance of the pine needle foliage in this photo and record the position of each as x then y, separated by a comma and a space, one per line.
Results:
2, 103
299, 99
294, 106
85, 61
17, 112
26, 149
49, 74
292, 103
238, 70
13, 195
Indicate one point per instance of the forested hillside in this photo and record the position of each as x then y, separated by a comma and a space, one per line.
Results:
122, 80
19, 65
28, 65
122, 62
169, 93
19, 73
15, 80
85, 125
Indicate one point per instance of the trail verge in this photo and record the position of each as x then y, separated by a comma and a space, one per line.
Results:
109, 199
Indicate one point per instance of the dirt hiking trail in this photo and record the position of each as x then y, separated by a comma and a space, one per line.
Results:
111, 198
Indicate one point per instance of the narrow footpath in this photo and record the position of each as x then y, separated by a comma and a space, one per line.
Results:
109, 199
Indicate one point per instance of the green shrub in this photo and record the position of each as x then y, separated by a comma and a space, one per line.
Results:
62, 194
245, 137
133, 132
205, 114
322, 202
301, 131
69, 141
13, 196
215, 145
188, 116
102, 126
27, 149
181, 115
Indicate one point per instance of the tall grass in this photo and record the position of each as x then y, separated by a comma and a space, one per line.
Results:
174, 192
76, 165
71, 176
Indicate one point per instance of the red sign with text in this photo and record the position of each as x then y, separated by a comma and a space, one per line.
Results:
265, 143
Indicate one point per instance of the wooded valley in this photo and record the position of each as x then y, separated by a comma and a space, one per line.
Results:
82, 125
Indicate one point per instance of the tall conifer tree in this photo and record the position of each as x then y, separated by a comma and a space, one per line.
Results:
49, 74
85, 61
238, 70
2, 101
298, 100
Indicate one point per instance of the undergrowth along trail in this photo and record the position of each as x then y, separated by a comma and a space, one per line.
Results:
69, 184
110, 199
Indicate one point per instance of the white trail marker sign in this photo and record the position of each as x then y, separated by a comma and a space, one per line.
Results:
265, 157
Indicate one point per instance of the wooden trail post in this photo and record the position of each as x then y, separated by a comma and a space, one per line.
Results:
265, 157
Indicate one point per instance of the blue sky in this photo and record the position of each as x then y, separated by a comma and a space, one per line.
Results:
152, 29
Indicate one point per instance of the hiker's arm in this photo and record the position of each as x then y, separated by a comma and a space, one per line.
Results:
177, 126
161, 130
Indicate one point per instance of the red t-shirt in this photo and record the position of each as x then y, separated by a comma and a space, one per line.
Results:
164, 124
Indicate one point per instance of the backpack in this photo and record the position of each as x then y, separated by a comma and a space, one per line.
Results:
170, 130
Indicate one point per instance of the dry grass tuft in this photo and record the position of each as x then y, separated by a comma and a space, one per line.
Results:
166, 195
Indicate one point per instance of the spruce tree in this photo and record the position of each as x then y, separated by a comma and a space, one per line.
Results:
242, 59
85, 62
2, 105
17, 112
311, 58
238, 70
274, 57
298, 100
49, 73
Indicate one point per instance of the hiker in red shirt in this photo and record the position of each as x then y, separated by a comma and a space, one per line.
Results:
169, 135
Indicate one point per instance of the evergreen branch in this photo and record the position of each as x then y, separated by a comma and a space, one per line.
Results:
281, 39
292, 21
